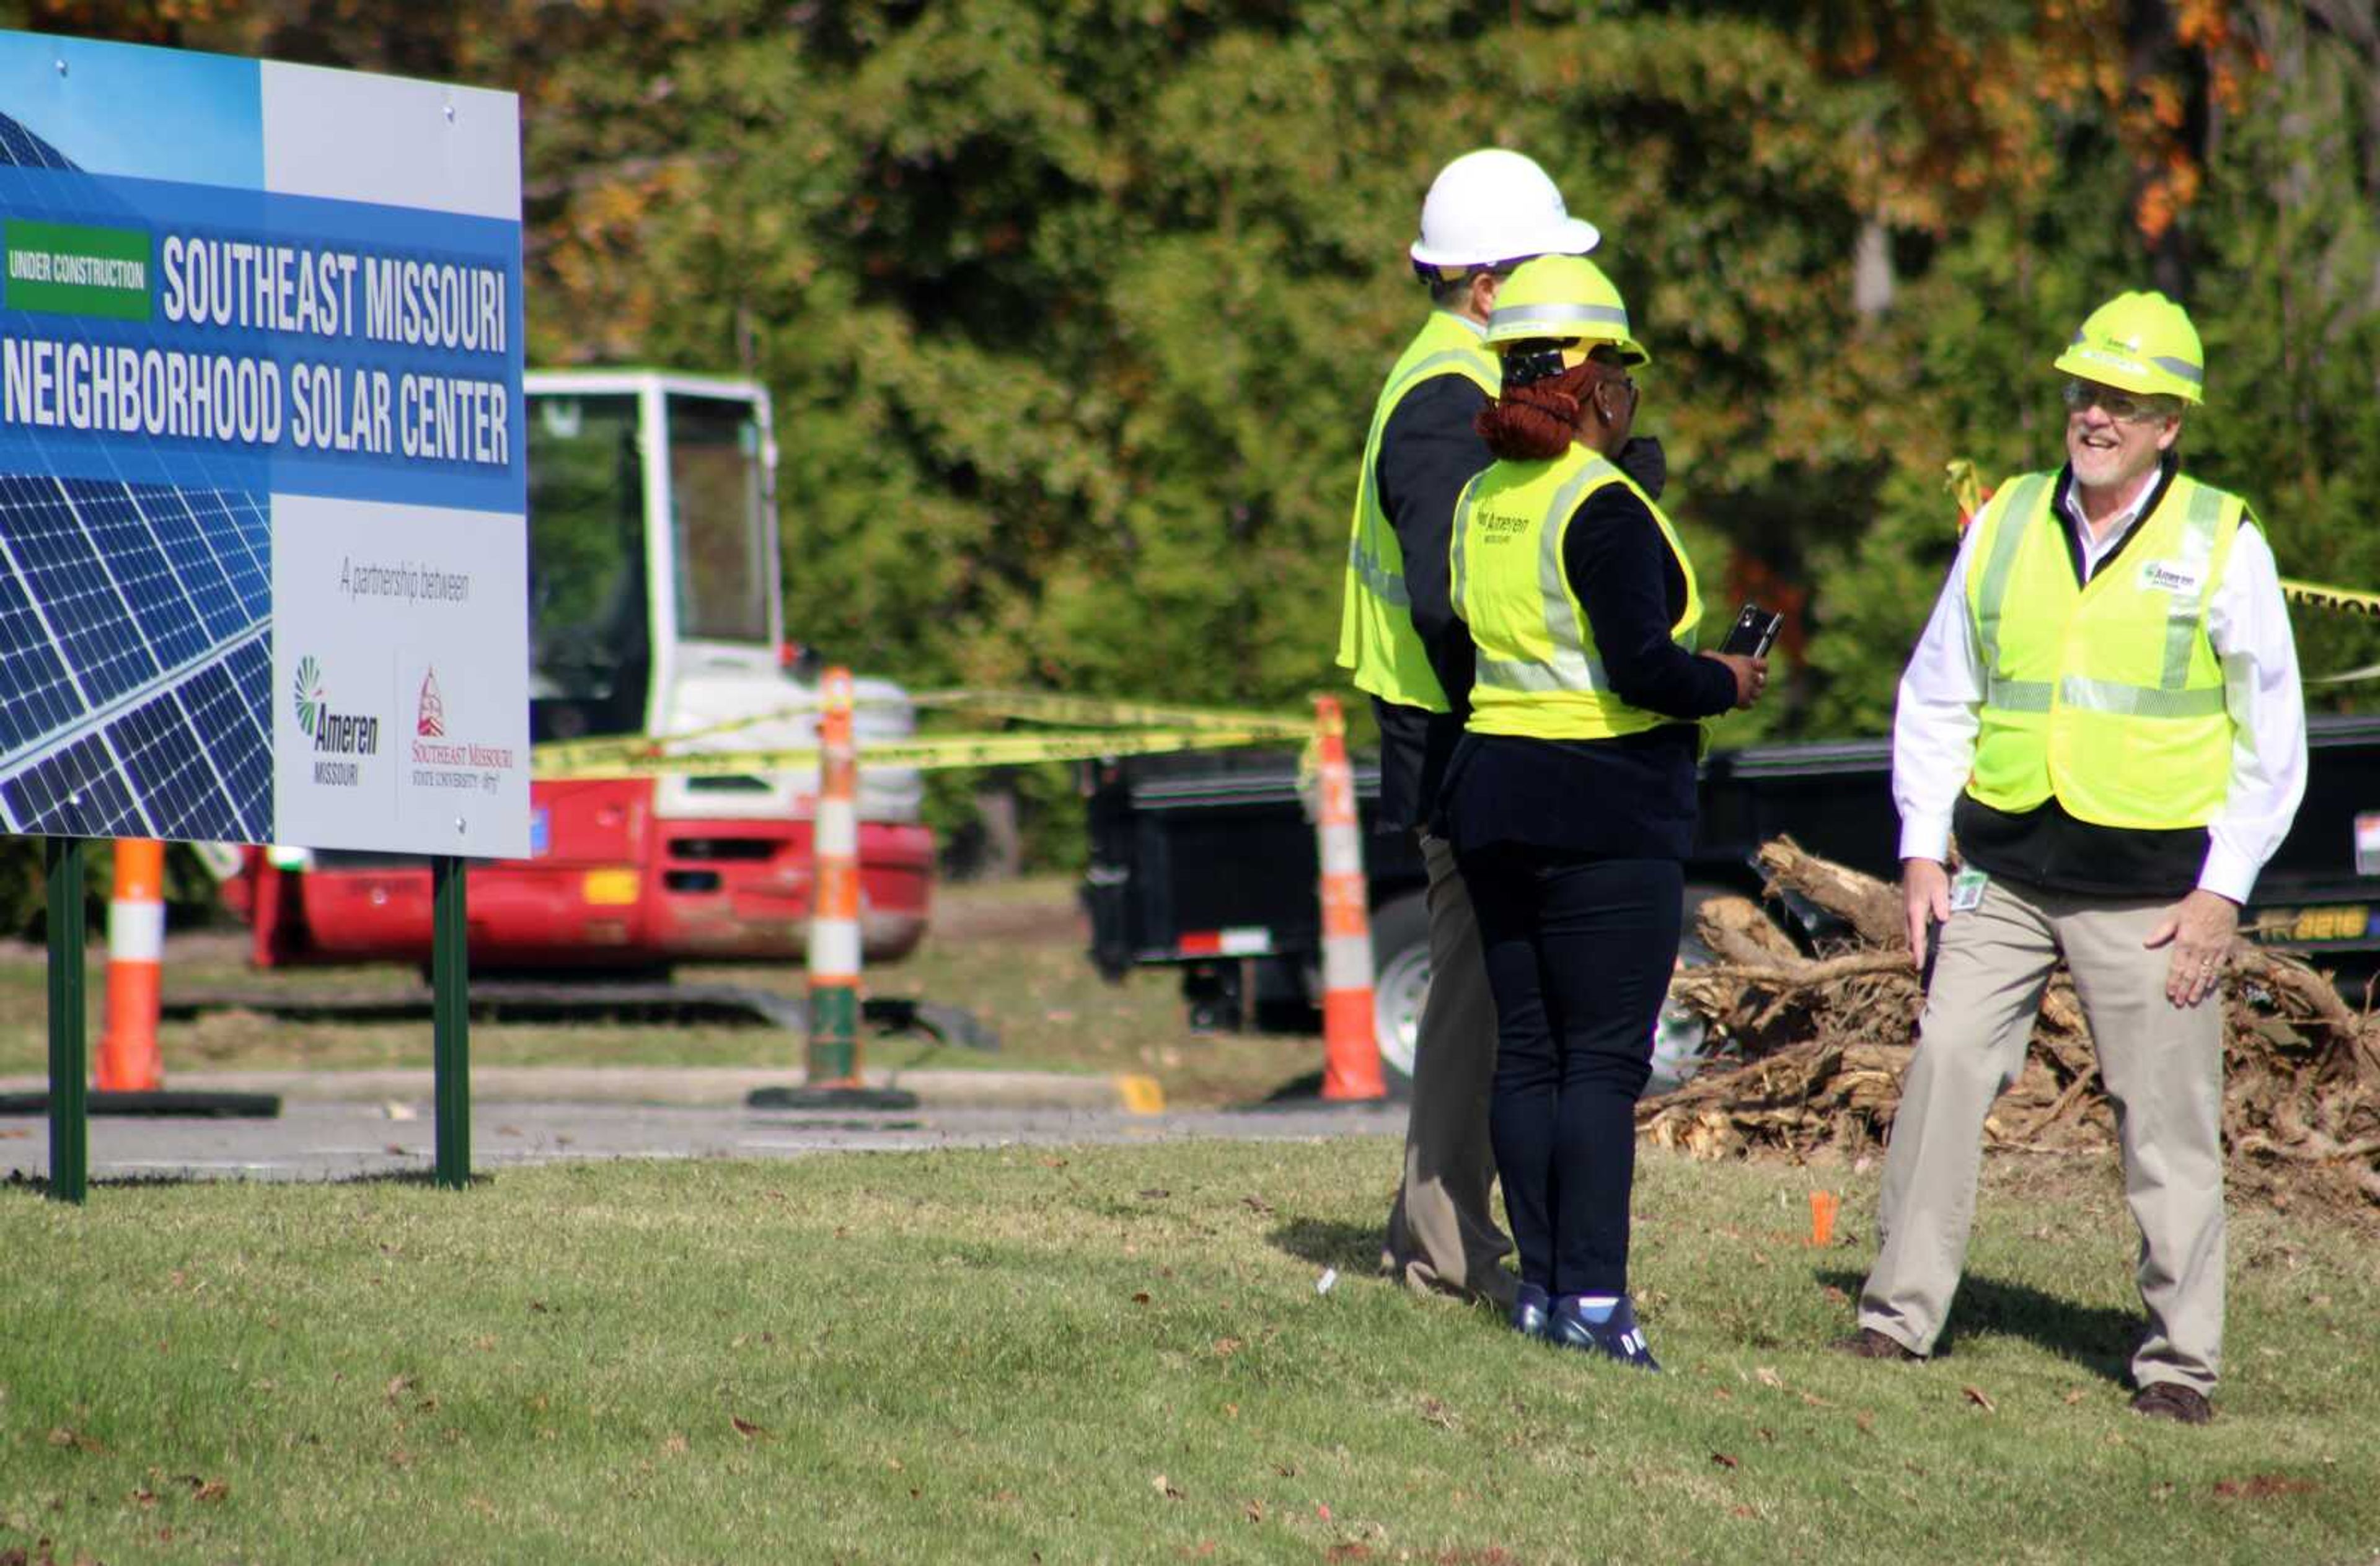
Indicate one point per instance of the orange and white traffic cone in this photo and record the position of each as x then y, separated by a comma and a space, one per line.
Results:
834, 956
1351, 1050
129, 1059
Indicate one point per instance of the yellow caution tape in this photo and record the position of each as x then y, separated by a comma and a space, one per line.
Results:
2322, 597
1040, 707
937, 753
1089, 711
1966, 487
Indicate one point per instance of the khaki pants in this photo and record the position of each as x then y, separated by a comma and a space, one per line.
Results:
1442, 1235
2163, 1068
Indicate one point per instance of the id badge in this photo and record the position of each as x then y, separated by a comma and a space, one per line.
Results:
1967, 891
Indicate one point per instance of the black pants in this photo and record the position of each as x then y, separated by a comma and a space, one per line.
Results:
1579, 952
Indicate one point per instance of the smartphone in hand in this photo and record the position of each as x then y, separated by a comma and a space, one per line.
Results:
1754, 631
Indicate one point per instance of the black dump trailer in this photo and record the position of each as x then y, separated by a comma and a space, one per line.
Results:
1207, 864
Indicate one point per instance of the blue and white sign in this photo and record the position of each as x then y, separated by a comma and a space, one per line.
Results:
262, 491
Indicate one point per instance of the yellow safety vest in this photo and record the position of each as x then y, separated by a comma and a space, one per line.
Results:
2108, 695
1377, 637
1539, 670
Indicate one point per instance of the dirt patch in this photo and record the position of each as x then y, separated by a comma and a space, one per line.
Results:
1035, 917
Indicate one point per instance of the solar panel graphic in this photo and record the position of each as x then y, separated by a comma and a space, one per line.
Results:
136, 630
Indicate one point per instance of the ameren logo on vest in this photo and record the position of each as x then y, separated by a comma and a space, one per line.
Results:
335, 734
2170, 576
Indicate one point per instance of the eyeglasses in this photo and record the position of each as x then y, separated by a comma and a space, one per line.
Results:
2124, 408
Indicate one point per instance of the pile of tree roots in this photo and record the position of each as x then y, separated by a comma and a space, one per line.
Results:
1808, 1049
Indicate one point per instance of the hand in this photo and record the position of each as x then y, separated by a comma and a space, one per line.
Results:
2200, 929
1751, 675
1643, 460
1924, 896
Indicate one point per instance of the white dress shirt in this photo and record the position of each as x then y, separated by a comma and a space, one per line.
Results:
1939, 713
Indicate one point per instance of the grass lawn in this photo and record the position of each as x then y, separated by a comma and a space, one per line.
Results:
1121, 1354
1013, 954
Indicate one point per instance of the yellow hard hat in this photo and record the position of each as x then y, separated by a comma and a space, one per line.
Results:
2138, 342
1567, 299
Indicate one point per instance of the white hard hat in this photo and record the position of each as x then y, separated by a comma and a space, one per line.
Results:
1491, 206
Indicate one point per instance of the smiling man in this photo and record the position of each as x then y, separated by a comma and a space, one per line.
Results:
2105, 705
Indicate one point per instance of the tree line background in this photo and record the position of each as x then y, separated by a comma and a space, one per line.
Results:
1073, 309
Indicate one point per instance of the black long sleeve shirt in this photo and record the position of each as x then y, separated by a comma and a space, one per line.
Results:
1632, 796
1429, 451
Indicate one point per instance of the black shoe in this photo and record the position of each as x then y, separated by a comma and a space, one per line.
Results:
1616, 1337
1869, 1343
1531, 1311
2171, 1400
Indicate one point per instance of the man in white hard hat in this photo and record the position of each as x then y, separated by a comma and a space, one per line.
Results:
1487, 213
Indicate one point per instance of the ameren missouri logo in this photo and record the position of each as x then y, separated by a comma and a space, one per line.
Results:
334, 733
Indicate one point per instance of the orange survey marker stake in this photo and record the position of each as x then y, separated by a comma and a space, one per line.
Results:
834, 953
1823, 1206
1351, 1050
129, 1059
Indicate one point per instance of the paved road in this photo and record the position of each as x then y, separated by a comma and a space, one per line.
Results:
317, 1140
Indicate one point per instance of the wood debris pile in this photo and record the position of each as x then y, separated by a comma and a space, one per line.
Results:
1810, 1048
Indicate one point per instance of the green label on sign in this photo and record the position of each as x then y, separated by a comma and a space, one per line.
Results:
66, 269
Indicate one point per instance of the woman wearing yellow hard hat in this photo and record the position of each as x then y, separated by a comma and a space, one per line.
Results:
1570, 798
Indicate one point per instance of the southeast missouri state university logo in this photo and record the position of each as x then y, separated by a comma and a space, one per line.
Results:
429, 711
334, 733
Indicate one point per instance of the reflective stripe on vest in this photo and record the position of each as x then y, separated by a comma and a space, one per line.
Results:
2107, 695
1539, 670
1376, 639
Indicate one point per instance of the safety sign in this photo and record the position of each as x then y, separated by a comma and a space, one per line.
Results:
262, 484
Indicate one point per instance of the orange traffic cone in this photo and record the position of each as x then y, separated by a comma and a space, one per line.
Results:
1351, 1050
834, 945
128, 1060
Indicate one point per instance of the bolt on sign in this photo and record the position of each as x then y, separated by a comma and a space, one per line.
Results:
263, 557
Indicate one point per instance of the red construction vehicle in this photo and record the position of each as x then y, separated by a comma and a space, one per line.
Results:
654, 609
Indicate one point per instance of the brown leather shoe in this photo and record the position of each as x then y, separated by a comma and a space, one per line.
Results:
2171, 1400
1869, 1343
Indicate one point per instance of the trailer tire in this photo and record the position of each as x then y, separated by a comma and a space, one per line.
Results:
1400, 985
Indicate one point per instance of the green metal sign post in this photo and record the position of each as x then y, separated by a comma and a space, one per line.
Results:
450, 981
69, 1124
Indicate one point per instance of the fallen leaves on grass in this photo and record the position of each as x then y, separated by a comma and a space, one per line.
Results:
64, 1437
2263, 1486
2074, 1395
1724, 1461
746, 1429
1767, 1376
211, 1490
1981, 1398
1154, 1194
1257, 1205
1165, 1488
1226, 1347
1140, 1296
